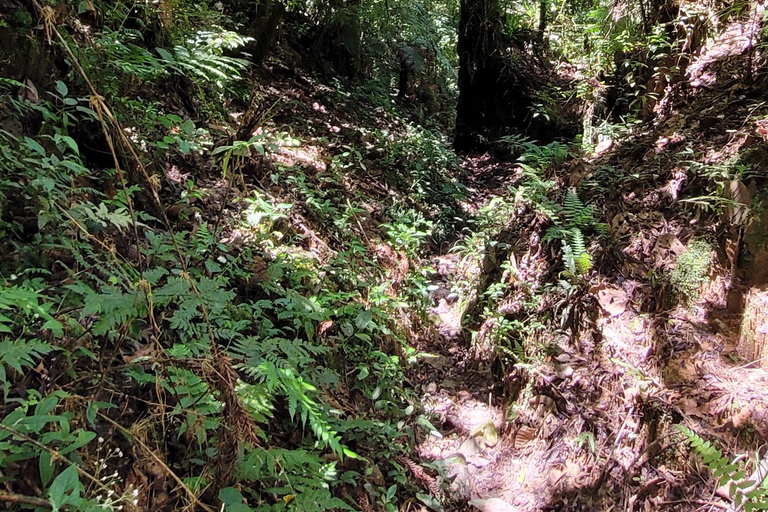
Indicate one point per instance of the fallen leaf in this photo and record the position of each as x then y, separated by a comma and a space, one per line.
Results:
612, 300
469, 447
493, 505
478, 461
524, 435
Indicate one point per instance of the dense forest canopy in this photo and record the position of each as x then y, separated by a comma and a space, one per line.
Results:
383, 255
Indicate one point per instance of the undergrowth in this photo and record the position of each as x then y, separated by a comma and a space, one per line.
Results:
690, 272
178, 326
747, 493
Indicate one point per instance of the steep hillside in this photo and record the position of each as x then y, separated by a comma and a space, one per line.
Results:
253, 281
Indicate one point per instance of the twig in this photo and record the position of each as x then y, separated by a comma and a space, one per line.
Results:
26, 500
159, 462
693, 502
55, 455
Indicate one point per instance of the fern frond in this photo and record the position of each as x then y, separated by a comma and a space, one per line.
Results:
114, 308
20, 354
728, 473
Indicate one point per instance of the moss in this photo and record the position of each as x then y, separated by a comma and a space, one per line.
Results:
21, 19
691, 272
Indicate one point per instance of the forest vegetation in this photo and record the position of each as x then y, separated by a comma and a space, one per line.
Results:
383, 255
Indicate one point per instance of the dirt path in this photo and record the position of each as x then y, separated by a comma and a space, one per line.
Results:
589, 422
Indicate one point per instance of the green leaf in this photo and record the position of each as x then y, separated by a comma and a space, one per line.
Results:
90, 413
431, 502
33, 145
88, 111
184, 147
73, 166
46, 467
61, 87
347, 329
69, 141
363, 319
188, 127
230, 496
55, 327
68, 481
83, 438
212, 266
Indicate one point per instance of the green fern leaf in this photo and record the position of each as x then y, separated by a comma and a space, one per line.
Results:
20, 354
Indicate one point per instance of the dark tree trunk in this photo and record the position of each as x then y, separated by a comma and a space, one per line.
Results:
338, 42
480, 68
276, 11
402, 87
542, 19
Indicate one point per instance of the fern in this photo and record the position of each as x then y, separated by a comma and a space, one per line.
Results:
202, 63
24, 303
20, 354
743, 491
575, 212
296, 476
114, 308
574, 217
298, 391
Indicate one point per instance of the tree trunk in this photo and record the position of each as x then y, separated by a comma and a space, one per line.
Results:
480, 67
542, 19
276, 11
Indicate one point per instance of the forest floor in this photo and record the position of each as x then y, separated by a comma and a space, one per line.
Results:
586, 421
554, 393
538, 328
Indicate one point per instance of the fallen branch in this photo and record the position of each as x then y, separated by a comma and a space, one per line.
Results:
24, 499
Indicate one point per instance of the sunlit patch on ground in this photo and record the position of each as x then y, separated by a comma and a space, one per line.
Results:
299, 155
